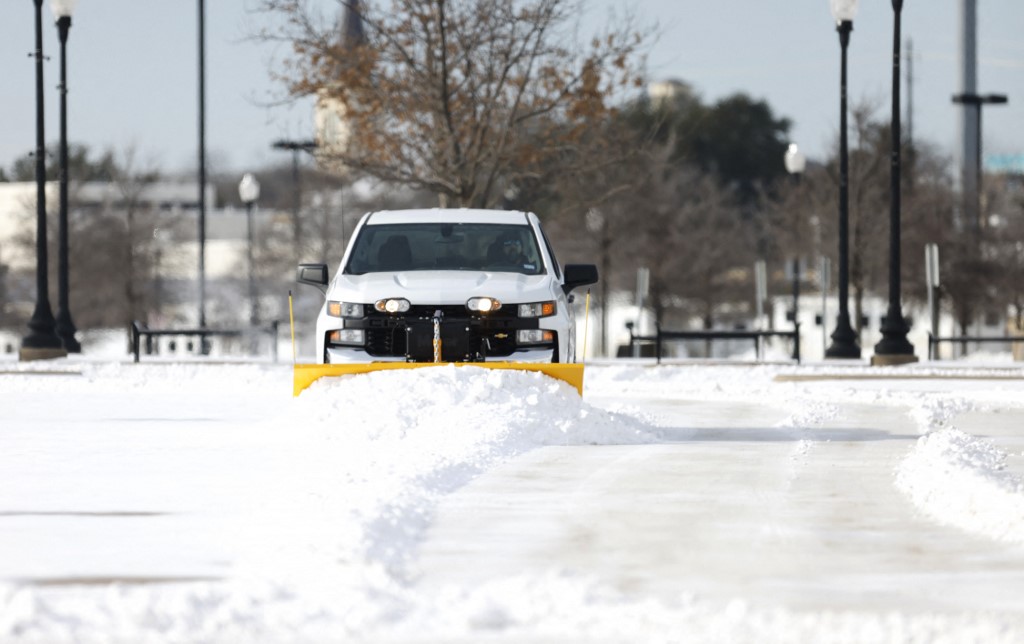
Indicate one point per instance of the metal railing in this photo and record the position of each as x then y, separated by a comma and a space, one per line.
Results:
934, 341
709, 335
139, 332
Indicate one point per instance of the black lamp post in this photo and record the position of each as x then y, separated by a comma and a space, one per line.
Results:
844, 340
249, 192
42, 342
894, 348
795, 163
62, 10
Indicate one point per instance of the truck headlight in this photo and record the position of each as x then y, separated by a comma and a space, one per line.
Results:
483, 304
392, 305
347, 336
537, 310
337, 309
535, 336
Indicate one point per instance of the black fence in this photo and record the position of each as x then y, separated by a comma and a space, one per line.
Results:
935, 341
142, 336
757, 337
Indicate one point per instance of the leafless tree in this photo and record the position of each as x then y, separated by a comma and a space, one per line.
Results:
6, 315
1004, 244
688, 230
113, 249
461, 98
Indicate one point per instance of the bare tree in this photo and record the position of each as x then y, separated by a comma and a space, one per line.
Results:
460, 98
6, 315
689, 231
132, 178
1004, 244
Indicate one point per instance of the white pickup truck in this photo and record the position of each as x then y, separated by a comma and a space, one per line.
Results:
447, 285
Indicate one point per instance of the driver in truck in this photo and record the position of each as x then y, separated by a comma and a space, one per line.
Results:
507, 250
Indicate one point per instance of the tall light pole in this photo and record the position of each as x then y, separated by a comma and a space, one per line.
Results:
202, 171
296, 147
249, 192
894, 348
795, 162
62, 10
42, 342
844, 340
597, 224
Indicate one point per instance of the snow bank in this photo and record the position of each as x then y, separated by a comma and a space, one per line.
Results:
958, 479
323, 500
411, 436
950, 476
961, 480
546, 608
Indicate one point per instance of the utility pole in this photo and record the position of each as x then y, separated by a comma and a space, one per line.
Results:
202, 172
970, 155
911, 151
910, 93
295, 147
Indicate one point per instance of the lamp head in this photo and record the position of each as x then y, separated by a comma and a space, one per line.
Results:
249, 189
843, 10
795, 159
63, 8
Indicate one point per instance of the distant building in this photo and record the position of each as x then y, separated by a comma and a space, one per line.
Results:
671, 91
333, 131
174, 206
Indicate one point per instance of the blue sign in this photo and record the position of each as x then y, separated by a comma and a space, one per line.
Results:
1008, 163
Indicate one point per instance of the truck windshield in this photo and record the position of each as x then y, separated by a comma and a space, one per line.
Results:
444, 246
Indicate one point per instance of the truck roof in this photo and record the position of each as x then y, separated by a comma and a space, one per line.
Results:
447, 215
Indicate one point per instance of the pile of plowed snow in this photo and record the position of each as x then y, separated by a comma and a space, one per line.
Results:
961, 480
404, 437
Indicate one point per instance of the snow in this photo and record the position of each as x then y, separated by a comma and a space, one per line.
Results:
200, 502
961, 480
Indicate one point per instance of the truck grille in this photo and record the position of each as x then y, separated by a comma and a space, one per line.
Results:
411, 335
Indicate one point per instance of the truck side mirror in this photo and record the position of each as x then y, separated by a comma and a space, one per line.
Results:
577, 275
312, 274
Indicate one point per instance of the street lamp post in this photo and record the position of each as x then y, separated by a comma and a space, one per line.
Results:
249, 192
844, 340
795, 163
42, 342
894, 348
63, 9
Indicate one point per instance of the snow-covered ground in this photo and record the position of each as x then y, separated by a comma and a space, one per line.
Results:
200, 502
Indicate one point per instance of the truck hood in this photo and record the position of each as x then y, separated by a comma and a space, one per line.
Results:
441, 287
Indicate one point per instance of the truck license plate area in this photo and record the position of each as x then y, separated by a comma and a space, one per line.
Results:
455, 341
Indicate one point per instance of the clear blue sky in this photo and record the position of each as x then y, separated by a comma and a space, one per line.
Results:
133, 67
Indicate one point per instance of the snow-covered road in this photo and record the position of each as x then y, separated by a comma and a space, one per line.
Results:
806, 518
201, 503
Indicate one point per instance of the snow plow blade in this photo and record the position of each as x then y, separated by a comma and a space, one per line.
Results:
307, 374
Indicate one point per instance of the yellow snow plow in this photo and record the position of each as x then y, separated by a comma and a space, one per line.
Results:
307, 374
